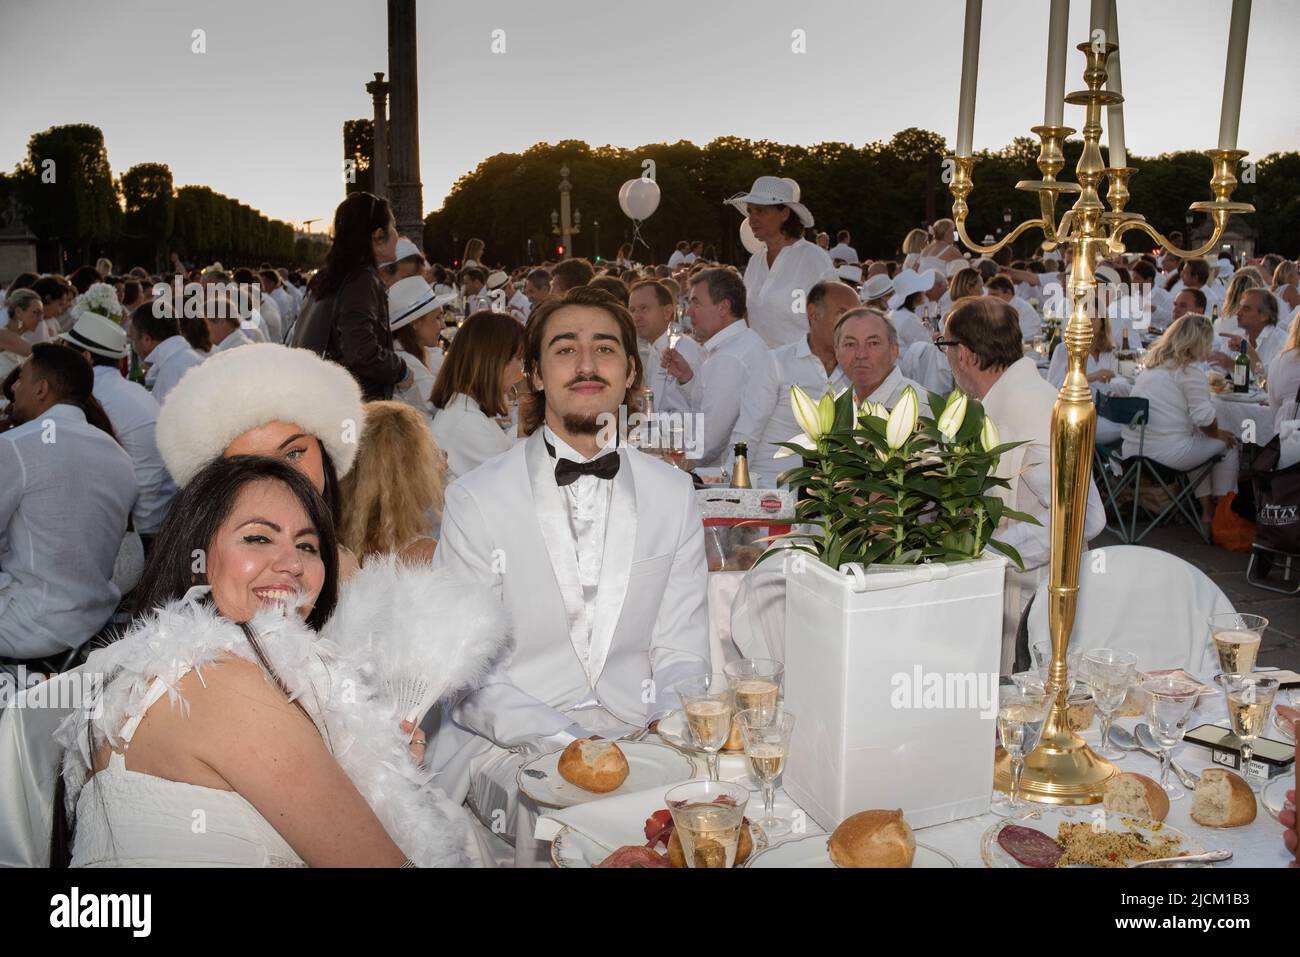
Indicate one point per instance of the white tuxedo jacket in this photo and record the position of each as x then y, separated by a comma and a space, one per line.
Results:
505, 525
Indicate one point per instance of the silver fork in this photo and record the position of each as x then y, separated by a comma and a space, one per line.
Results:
1208, 857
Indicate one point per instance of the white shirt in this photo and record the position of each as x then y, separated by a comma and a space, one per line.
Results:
677, 258
1180, 403
1031, 323
468, 436
270, 318
735, 394
416, 395
1271, 342
288, 310
891, 390
233, 340
670, 395
775, 313
67, 492
909, 327
519, 306
1283, 380
797, 366
845, 252
170, 359
1061, 362
476, 302
434, 356
133, 413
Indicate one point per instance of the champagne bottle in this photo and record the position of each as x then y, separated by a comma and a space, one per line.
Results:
1241, 369
740, 469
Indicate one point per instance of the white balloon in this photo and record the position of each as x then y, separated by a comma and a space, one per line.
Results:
751, 242
639, 198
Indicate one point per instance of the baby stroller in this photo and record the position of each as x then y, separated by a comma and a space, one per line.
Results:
1276, 493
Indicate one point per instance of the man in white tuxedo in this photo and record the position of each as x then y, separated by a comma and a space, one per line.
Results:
597, 551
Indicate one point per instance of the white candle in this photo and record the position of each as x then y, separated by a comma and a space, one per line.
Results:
1115, 114
1058, 38
1230, 115
970, 64
1097, 20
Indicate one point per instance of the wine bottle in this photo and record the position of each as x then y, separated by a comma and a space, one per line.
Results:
1241, 369
740, 469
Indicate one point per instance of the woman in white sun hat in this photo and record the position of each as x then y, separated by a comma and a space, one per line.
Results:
785, 264
415, 316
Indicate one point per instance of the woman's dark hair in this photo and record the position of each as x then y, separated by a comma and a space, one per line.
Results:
484, 343
24, 280
411, 345
83, 277
52, 287
70, 378
155, 320
792, 225
355, 221
198, 512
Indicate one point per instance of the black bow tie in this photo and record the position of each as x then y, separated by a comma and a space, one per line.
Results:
567, 472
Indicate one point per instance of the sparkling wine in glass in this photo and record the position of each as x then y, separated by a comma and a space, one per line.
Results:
1022, 712
708, 816
708, 706
756, 683
1170, 702
1236, 640
1250, 703
766, 732
1108, 675
674, 443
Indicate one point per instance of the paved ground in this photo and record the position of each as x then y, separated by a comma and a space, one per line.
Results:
1281, 645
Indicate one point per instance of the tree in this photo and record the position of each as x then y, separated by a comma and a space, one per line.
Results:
149, 212
359, 149
67, 186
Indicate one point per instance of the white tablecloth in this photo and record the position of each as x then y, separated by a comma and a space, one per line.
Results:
617, 821
1233, 416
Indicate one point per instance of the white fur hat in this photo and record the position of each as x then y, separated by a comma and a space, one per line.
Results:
241, 389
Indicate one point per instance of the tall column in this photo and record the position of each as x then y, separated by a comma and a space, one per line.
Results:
378, 89
405, 191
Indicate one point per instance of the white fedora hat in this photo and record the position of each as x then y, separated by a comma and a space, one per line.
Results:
405, 249
411, 298
497, 278
773, 191
849, 273
877, 286
97, 334
908, 283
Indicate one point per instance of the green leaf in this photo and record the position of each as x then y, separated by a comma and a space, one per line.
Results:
1008, 551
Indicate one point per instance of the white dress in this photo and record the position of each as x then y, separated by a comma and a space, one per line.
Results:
127, 818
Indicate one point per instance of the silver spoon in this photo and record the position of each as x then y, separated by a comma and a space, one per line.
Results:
1149, 744
1125, 742
1208, 857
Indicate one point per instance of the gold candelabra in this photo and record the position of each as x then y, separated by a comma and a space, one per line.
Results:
1063, 769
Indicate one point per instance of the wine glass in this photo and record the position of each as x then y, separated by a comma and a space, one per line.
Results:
1237, 639
1108, 675
1170, 702
707, 816
674, 444
708, 705
1041, 653
1250, 702
755, 683
1022, 711
766, 732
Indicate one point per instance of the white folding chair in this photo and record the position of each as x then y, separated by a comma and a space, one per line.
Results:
30, 762
1141, 600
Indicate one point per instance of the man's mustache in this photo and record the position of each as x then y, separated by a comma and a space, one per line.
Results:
586, 378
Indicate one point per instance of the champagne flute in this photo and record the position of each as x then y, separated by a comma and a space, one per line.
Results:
1236, 640
766, 732
755, 683
1250, 702
1170, 702
1108, 675
1022, 711
674, 444
708, 705
707, 816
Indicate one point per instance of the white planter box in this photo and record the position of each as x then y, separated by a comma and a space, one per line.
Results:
893, 678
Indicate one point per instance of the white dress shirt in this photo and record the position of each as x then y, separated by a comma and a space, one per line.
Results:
1061, 361
232, 341
467, 435
775, 313
670, 395
519, 306
416, 395
133, 413
1031, 323
1180, 403
909, 327
797, 365
891, 390
845, 252
1271, 342
735, 393
170, 359
676, 259
67, 492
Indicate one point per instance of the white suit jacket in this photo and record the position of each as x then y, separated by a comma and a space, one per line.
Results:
505, 525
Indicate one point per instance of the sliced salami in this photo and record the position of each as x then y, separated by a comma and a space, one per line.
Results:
1031, 848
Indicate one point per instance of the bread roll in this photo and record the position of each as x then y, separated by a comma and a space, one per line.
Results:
744, 847
873, 839
593, 764
1136, 795
1223, 799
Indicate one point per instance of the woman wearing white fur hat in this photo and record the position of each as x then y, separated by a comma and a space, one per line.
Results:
266, 399
252, 690
785, 264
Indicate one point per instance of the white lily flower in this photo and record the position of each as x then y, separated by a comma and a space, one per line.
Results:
902, 421
826, 414
989, 437
806, 412
953, 415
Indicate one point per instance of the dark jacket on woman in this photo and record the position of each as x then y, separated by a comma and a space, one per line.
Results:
350, 327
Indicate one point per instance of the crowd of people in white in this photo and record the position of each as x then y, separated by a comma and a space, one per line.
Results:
451, 419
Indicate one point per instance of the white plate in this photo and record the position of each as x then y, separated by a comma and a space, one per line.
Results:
649, 766
994, 856
1273, 797
1283, 733
672, 730
811, 851
570, 848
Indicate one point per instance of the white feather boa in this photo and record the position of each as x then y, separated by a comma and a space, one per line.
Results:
464, 625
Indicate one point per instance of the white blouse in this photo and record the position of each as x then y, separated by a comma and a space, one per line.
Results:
1060, 361
417, 393
1180, 404
1283, 380
774, 312
467, 435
